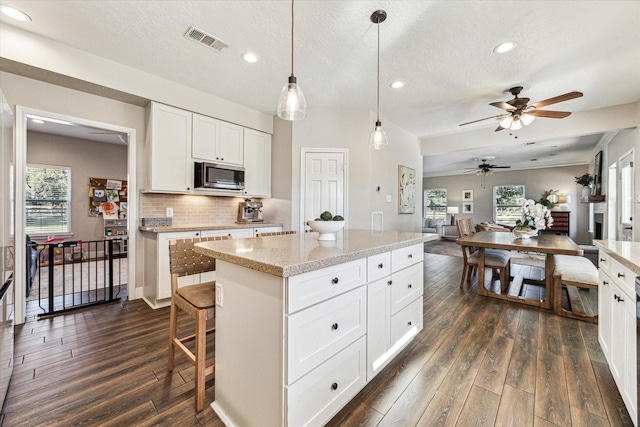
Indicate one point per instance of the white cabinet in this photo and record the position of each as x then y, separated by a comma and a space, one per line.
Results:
257, 163
617, 328
169, 143
394, 304
234, 233
216, 141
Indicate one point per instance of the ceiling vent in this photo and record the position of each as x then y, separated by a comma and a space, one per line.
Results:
199, 36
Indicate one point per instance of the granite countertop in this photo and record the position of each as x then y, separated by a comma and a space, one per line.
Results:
288, 255
196, 227
627, 253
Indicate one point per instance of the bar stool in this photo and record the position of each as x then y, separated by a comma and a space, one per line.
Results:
198, 301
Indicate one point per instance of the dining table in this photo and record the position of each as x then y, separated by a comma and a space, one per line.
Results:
547, 244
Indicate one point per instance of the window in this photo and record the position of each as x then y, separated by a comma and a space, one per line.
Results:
48, 194
435, 203
506, 208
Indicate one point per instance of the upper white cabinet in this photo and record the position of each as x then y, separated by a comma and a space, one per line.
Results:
216, 141
257, 164
171, 166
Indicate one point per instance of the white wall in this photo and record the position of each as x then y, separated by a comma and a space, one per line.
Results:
536, 181
367, 169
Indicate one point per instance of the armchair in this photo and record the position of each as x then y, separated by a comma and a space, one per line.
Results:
431, 225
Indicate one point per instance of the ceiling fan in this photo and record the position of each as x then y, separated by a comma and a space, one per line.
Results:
485, 168
521, 113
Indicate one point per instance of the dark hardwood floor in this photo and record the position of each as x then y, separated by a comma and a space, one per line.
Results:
478, 362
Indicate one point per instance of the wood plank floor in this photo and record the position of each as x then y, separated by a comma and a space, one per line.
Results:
478, 362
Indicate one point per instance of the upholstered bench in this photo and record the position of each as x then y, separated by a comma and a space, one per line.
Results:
579, 275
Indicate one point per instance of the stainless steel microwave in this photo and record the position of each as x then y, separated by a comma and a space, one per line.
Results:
218, 176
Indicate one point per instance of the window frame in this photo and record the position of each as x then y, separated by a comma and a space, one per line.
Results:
426, 211
515, 205
67, 200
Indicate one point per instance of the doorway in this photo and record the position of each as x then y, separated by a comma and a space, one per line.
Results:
324, 183
61, 126
626, 197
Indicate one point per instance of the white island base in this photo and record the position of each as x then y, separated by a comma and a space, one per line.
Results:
292, 350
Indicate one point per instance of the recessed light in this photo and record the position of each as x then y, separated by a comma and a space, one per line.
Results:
14, 13
38, 121
250, 57
397, 84
505, 47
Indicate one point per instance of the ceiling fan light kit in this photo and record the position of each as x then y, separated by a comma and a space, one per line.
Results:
292, 104
378, 137
520, 113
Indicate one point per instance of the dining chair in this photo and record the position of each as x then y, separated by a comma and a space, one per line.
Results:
275, 233
198, 301
493, 258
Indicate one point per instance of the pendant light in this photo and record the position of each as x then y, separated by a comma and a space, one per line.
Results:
378, 138
292, 105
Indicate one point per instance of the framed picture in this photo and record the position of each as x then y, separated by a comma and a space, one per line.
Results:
406, 190
467, 196
596, 190
467, 207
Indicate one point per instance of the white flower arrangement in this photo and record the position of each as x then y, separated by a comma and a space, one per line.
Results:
535, 216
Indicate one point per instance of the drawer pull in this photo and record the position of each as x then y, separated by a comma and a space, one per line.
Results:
602, 260
410, 255
381, 265
604, 282
619, 299
335, 280
334, 386
389, 282
620, 275
409, 323
334, 326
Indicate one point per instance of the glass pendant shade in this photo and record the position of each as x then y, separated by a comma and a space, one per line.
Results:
513, 123
378, 138
516, 124
292, 104
527, 119
506, 122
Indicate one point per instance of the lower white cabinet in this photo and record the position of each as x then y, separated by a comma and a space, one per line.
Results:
617, 331
235, 233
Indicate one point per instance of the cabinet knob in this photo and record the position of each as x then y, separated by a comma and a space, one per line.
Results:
335, 280
197, 234
380, 265
334, 326
604, 282
389, 282
409, 285
620, 275
409, 323
334, 386
410, 255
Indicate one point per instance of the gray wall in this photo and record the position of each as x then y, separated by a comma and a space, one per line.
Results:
536, 181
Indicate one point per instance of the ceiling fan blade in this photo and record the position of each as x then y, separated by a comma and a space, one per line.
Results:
500, 167
549, 114
502, 105
556, 99
499, 128
486, 118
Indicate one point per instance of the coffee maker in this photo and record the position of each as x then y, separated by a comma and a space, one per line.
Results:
249, 211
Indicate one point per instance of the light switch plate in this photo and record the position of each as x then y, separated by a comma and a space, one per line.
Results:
169, 212
219, 295
388, 198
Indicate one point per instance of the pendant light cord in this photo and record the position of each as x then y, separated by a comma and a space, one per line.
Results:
292, 37
378, 101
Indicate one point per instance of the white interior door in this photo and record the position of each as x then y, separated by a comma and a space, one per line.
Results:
324, 187
626, 198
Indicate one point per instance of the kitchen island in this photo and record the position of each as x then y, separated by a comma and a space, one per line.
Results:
303, 325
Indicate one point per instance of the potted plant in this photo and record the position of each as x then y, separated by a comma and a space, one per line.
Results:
586, 181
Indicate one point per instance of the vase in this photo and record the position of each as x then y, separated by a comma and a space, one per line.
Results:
586, 192
524, 234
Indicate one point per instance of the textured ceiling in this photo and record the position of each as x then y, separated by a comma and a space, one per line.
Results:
441, 49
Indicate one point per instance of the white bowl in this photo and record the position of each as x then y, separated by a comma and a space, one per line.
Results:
327, 229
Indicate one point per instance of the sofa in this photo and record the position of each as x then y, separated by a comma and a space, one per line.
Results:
431, 225
492, 226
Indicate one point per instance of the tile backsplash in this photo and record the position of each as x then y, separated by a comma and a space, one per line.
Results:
189, 209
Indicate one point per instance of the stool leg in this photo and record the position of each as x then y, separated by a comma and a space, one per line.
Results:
201, 355
173, 322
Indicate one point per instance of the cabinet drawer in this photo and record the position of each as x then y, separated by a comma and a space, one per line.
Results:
314, 399
319, 332
604, 262
235, 233
404, 257
406, 319
624, 277
406, 285
378, 266
313, 287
